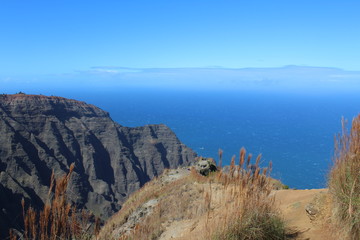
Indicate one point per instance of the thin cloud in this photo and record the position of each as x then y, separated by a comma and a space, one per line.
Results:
303, 78
346, 76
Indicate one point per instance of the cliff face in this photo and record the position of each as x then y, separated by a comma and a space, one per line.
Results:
40, 134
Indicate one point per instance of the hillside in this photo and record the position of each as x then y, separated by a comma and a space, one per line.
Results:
181, 204
236, 203
40, 134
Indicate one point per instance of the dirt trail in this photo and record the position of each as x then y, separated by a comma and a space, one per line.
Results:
292, 204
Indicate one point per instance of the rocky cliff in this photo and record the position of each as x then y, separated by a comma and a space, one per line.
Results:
40, 134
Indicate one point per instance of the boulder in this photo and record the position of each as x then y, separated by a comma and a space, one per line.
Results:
205, 165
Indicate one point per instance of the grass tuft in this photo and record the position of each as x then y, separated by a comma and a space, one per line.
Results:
249, 211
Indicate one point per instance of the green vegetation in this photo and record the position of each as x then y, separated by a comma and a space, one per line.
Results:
344, 181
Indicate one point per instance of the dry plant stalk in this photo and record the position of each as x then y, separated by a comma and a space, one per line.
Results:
58, 219
220, 153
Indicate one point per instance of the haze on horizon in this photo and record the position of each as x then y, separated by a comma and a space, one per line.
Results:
182, 44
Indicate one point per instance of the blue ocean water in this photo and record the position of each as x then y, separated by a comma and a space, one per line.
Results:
293, 130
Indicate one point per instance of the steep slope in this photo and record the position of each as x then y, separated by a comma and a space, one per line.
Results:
40, 134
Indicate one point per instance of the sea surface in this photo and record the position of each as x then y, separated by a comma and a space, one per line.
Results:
293, 130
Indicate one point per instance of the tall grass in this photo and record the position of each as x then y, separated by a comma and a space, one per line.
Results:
344, 180
58, 219
249, 211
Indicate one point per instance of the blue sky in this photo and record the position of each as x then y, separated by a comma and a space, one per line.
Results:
43, 39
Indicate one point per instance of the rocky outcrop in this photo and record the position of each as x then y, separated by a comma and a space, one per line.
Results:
205, 165
40, 134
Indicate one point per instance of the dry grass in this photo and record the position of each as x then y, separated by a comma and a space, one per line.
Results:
248, 207
344, 181
58, 219
225, 205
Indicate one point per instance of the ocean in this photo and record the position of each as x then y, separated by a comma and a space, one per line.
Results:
295, 131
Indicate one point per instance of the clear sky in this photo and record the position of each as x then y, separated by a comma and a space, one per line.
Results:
67, 36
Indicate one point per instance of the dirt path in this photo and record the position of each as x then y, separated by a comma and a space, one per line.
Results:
292, 204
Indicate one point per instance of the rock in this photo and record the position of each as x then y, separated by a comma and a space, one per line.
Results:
205, 165
316, 209
311, 210
40, 134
